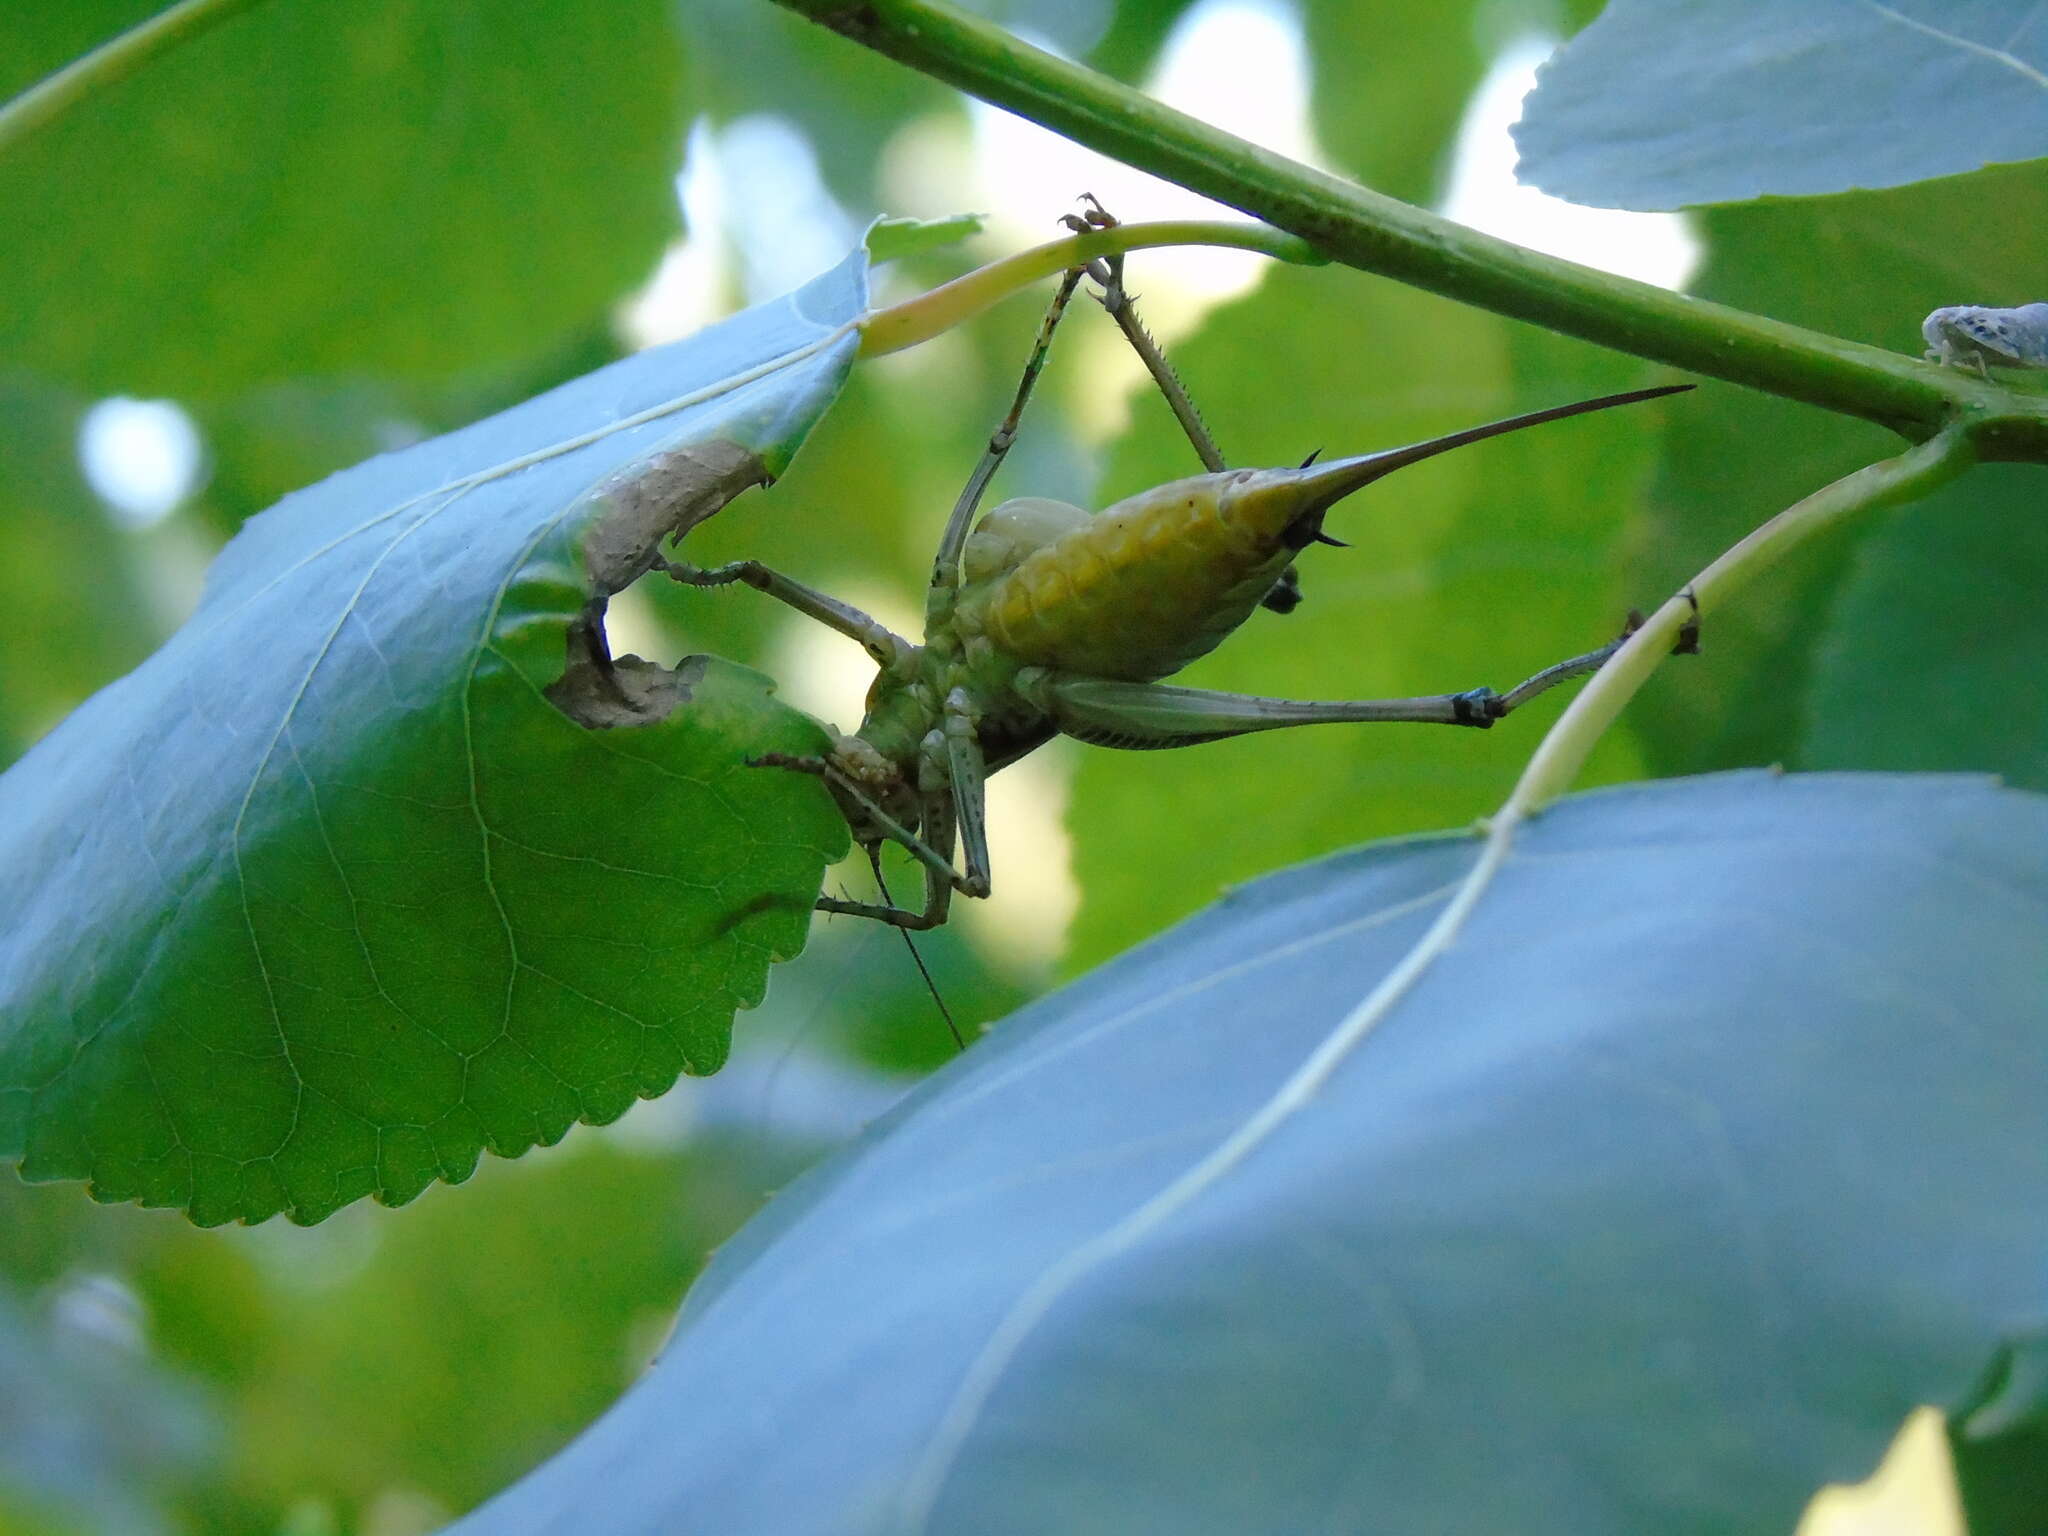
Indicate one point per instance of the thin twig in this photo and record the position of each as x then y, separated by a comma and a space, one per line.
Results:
937, 310
113, 61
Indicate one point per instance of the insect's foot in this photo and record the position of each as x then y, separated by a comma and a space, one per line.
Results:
681, 570
1689, 634
1093, 216
1285, 595
1688, 642
1477, 707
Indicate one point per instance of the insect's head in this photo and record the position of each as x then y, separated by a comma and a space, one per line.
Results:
1289, 504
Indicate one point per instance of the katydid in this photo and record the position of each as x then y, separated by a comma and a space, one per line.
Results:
1043, 619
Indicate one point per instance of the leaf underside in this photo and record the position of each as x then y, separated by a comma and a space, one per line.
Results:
333, 893
1663, 104
1709, 1148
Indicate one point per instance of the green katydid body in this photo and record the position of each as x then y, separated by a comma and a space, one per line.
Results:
1135, 592
1045, 620
1054, 620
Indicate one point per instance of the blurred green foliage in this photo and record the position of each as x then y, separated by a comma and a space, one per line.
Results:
327, 231
1899, 643
302, 193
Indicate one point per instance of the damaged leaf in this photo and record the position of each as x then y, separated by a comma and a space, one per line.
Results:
383, 861
627, 691
665, 496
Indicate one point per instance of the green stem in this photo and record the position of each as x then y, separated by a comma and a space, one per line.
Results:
113, 61
1378, 234
928, 314
1564, 748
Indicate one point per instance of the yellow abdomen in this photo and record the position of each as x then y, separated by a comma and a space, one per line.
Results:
1142, 589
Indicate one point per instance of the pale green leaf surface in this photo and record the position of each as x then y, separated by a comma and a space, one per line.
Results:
1710, 1149
414, 188
1476, 568
1668, 103
328, 896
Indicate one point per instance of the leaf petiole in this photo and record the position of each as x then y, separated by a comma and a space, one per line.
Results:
939, 309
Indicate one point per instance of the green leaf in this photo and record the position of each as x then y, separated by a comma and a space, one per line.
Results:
1666, 103
1391, 83
892, 239
353, 880
1933, 652
2000, 1446
1710, 1148
418, 189
1136, 32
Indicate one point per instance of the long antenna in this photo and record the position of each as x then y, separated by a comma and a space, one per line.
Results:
959, 1043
